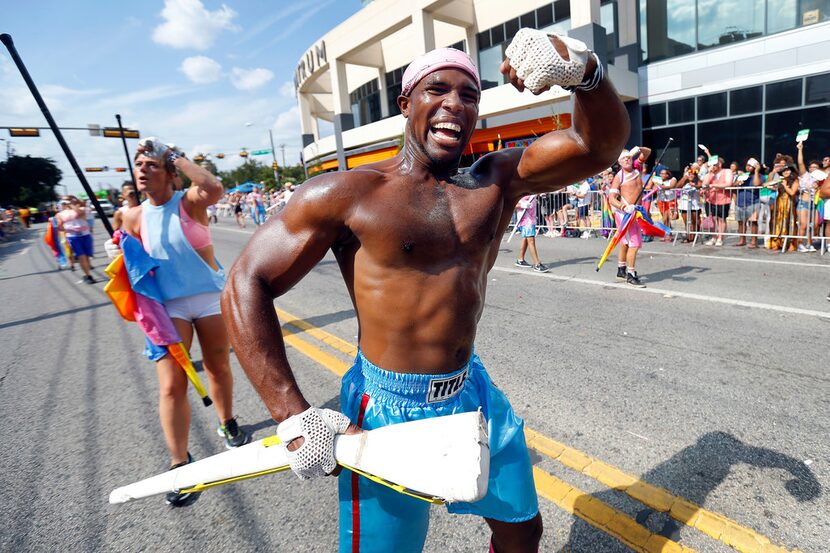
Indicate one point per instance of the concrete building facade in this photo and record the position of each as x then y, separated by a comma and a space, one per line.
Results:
700, 71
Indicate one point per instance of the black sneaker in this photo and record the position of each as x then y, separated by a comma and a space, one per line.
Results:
621, 272
88, 279
175, 499
522, 263
633, 280
234, 436
540, 268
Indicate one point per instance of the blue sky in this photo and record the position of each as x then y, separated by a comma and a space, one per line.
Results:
205, 75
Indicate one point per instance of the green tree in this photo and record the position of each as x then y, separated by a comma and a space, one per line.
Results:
28, 181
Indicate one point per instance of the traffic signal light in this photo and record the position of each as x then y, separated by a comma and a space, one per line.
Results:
198, 158
275, 166
243, 153
112, 132
24, 132
220, 156
95, 169
120, 169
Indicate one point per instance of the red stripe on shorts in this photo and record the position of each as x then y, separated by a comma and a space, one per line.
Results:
355, 490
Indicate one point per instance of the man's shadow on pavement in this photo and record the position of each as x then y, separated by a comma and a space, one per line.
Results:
693, 474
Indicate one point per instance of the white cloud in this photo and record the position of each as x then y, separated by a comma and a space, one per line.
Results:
288, 123
201, 69
287, 89
250, 79
188, 24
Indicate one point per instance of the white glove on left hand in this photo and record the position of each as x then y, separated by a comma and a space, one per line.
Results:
539, 65
113, 250
318, 427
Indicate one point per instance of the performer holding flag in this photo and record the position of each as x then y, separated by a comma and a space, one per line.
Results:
172, 228
417, 274
623, 195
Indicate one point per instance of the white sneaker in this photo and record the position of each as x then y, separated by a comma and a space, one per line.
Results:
719, 242
585, 234
710, 242
802, 248
811, 248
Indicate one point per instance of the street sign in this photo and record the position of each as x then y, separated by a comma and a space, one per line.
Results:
260, 152
113, 132
94, 130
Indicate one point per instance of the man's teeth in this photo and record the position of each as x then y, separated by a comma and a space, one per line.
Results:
449, 126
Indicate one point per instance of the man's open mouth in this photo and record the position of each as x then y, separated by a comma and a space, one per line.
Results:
446, 133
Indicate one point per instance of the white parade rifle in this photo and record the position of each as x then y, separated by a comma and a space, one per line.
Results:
440, 459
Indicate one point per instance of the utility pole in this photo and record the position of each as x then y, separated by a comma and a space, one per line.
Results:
282, 147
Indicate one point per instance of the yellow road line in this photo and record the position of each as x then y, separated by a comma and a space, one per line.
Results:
712, 524
592, 510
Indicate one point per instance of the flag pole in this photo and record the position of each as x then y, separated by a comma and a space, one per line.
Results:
6, 39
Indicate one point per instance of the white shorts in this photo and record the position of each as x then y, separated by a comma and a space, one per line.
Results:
826, 214
190, 308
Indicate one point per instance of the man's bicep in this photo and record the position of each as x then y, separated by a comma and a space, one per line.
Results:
553, 162
287, 248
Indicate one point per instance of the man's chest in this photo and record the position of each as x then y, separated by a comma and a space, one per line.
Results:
429, 223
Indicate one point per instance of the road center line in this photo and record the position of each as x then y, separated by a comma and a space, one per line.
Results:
572, 499
673, 293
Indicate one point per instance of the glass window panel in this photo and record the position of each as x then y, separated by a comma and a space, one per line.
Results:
745, 100
682, 150
670, 28
818, 89
782, 127
544, 16
374, 106
562, 27
511, 27
781, 15
734, 139
489, 61
606, 17
681, 111
654, 115
528, 20
727, 21
484, 40
392, 94
497, 34
356, 113
562, 9
711, 106
784, 95
813, 11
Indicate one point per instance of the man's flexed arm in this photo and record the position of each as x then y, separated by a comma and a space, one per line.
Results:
600, 125
275, 259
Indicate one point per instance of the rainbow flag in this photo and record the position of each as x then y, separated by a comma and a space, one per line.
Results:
53, 240
138, 299
607, 216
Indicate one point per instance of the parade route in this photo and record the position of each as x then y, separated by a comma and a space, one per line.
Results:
655, 422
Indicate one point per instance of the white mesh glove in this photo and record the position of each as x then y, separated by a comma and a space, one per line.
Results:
539, 65
113, 250
318, 427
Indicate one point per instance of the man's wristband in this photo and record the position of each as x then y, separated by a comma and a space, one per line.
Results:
172, 157
591, 82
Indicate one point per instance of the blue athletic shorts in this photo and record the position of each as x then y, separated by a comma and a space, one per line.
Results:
374, 518
528, 231
81, 245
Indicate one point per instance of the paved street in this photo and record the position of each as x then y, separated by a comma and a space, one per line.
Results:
705, 395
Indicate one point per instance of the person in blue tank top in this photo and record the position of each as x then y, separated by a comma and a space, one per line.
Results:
173, 228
